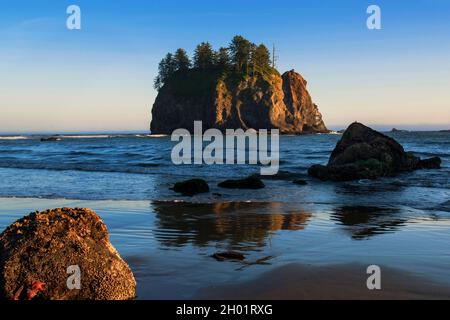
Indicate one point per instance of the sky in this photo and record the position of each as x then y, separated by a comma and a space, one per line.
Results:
100, 78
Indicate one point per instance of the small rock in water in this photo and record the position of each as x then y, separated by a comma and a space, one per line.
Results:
228, 255
191, 187
300, 182
252, 182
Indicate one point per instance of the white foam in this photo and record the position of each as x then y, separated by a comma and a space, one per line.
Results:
14, 138
100, 136
152, 135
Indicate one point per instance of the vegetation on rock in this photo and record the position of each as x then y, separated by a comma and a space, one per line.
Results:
242, 58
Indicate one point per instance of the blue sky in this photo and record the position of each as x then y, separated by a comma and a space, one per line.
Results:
100, 78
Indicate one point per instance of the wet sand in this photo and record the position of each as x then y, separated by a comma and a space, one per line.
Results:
338, 282
169, 246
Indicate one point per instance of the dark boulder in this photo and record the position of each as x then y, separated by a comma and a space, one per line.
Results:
39, 252
252, 182
191, 187
363, 153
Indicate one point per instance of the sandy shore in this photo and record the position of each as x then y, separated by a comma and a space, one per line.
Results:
304, 282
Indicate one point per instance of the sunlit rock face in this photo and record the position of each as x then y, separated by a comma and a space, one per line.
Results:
257, 102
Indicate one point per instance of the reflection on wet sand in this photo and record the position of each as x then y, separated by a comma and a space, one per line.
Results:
248, 225
331, 282
238, 223
366, 221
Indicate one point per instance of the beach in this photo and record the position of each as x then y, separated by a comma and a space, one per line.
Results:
331, 282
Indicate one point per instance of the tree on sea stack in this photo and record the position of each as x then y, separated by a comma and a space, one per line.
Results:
204, 56
240, 49
166, 69
223, 59
261, 60
182, 61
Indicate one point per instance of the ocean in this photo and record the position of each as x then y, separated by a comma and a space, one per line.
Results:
400, 222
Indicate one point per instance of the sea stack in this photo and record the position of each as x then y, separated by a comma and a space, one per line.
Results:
363, 153
41, 254
270, 101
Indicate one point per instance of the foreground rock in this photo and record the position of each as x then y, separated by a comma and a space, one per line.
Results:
191, 187
258, 102
252, 182
37, 250
363, 153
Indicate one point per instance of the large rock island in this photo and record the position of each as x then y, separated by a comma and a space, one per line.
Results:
232, 94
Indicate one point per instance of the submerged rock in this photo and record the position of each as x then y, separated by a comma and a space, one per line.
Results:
191, 187
252, 182
39, 252
363, 153
228, 255
50, 139
300, 182
431, 163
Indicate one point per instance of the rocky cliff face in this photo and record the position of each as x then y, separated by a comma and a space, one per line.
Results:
258, 102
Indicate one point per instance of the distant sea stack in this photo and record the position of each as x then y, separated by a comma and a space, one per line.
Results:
394, 130
233, 92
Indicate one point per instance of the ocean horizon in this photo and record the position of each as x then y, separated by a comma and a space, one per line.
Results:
378, 127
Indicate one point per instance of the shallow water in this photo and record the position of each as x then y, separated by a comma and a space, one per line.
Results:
401, 222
